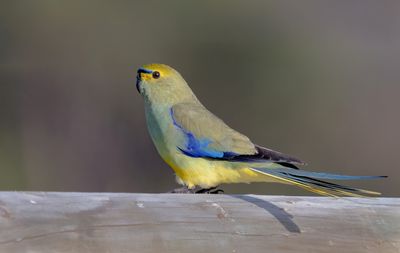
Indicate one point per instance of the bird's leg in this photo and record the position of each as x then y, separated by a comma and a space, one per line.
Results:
183, 190
217, 191
212, 190
205, 190
197, 190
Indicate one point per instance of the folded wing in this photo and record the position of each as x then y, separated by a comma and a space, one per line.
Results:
207, 136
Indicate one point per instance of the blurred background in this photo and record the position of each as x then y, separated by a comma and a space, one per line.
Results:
319, 80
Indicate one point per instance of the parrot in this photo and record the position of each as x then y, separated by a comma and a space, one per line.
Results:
205, 152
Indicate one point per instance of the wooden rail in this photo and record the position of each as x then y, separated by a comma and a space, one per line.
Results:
125, 222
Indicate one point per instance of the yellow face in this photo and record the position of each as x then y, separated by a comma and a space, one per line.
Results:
149, 71
161, 84
152, 74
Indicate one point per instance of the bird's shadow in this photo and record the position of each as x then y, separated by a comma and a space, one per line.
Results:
284, 218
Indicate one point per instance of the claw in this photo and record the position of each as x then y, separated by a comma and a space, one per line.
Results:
197, 190
212, 190
217, 191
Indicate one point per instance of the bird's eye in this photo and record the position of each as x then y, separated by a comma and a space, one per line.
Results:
156, 74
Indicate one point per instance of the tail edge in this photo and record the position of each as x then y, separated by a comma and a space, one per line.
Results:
315, 185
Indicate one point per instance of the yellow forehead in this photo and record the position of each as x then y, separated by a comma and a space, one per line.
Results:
164, 70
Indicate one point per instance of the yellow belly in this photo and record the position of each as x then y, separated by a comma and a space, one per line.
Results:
208, 173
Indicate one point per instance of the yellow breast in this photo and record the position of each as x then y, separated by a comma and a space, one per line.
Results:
210, 173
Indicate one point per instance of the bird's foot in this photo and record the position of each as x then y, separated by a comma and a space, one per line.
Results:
212, 190
183, 190
197, 190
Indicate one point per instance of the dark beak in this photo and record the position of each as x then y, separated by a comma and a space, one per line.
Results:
138, 82
139, 78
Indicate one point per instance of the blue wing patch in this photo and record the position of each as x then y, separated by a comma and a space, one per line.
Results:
199, 147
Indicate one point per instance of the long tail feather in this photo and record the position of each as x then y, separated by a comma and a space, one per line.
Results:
323, 175
311, 181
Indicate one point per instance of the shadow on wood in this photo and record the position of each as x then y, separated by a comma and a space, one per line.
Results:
123, 222
285, 218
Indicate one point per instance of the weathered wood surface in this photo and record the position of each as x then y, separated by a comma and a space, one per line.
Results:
122, 222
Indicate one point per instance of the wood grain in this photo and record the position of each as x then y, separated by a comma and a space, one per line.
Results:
125, 222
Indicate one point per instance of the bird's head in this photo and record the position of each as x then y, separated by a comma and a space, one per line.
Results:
159, 83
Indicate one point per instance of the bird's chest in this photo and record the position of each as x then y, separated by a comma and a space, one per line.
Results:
162, 130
